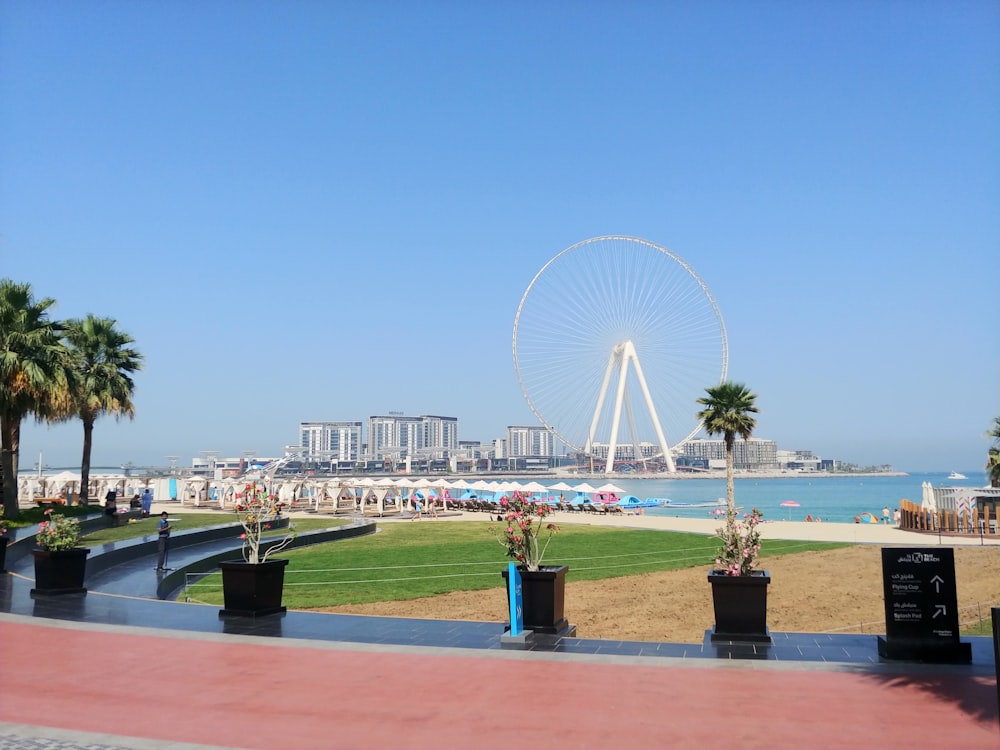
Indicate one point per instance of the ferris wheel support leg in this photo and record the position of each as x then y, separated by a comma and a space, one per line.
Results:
615, 355
636, 446
609, 465
630, 352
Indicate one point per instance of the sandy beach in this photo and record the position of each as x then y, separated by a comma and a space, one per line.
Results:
853, 533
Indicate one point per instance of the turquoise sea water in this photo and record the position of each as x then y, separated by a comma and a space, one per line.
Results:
831, 498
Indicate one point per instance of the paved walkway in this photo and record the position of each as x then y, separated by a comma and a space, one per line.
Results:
252, 692
83, 675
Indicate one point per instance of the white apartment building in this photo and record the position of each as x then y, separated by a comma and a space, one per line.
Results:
398, 436
755, 453
338, 441
798, 460
530, 441
440, 433
626, 452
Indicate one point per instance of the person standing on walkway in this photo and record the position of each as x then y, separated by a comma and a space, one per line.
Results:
163, 541
111, 508
147, 502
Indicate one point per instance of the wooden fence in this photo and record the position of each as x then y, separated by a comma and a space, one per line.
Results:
913, 517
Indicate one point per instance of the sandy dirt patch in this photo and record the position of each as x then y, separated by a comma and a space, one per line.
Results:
812, 592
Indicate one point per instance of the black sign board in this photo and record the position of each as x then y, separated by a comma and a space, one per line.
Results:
921, 605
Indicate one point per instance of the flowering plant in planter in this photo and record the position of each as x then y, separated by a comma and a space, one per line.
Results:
58, 533
523, 522
740, 543
257, 508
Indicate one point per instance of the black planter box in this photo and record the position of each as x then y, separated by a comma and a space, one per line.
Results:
543, 594
3, 554
740, 604
252, 589
60, 572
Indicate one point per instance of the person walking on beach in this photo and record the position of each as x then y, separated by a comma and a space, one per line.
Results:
162, 541
885, 515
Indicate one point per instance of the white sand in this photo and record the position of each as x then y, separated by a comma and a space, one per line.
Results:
855, 533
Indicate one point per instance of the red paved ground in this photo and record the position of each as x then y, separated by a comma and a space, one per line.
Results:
257, 695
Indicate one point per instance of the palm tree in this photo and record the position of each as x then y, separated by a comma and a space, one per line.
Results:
103, 363
727, 411
32, 374
993, 454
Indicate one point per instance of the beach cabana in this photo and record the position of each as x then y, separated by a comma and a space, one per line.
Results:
195, 491
376, 495
56, 483
347, 499
28, 488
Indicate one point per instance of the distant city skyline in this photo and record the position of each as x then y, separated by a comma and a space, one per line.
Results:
312, 210
253, 455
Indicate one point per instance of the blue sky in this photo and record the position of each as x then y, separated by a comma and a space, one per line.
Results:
307, 210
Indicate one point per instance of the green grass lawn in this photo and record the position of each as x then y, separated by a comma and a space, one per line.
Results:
179, 521
408, 561
31, 516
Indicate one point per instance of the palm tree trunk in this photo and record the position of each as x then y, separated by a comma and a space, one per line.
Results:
730, 482
88, 442
10, 438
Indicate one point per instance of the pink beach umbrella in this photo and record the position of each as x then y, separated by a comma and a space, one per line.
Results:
789, 504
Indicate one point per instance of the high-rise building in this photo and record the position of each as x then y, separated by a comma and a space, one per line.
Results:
339, 441
530, 441
398, 436
440, 432
755, 453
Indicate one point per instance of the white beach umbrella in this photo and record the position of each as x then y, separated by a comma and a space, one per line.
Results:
927, 499
609, 488
585, 488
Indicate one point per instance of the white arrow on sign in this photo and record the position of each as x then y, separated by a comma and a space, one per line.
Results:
937, 581
939, 609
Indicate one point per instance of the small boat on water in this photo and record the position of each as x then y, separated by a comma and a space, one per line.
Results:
956, 475
631, 501
668, 503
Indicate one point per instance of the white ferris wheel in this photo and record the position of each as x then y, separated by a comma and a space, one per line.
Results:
609, 321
